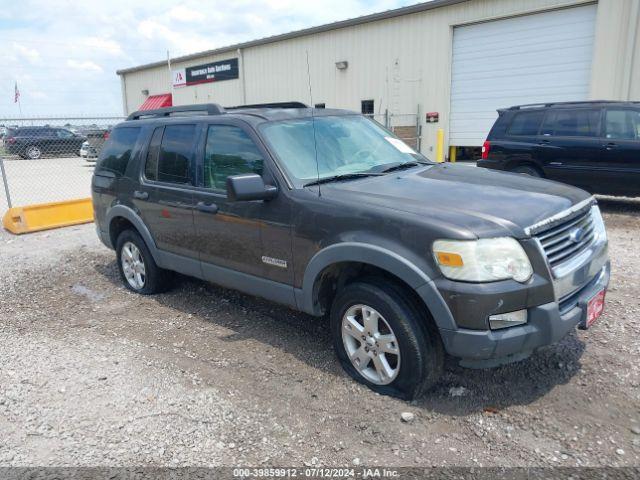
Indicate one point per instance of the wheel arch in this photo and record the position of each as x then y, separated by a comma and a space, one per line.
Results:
516, 162
340, 264
121, 217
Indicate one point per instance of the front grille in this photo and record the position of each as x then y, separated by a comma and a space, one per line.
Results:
564, 241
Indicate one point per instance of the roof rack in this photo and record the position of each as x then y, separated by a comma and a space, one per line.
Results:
577, 102
204, 109
271, 105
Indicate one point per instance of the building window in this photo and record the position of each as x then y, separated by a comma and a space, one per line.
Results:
367, 107
320, 105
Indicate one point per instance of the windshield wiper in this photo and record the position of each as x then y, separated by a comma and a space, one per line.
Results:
344, 176
401, 166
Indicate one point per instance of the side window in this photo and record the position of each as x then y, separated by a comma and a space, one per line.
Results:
151, 163
572, 123
622, 124
526, 123
229, 151
117, 150
174, 160
60, 133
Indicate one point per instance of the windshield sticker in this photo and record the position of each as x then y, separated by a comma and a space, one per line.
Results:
400, 145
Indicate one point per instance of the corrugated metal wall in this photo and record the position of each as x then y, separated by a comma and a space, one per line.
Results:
399, 63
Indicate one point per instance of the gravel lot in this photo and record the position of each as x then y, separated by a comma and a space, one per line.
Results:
94, 375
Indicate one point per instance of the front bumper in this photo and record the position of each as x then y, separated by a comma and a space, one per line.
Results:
547, 324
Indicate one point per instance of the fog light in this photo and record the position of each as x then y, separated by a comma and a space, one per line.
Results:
505, 320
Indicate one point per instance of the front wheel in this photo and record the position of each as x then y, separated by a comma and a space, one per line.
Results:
382, 339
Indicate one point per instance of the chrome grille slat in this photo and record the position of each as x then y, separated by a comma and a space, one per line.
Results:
565, 243
558, 228
557, 241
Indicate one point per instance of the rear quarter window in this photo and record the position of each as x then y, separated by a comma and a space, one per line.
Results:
526, 123
117, 151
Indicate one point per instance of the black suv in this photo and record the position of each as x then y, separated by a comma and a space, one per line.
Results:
592, 145
327, 212
36, 142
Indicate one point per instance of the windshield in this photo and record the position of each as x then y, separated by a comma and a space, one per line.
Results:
346, 145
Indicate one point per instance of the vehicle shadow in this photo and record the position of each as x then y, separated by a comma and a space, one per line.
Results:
626, 205
308, 339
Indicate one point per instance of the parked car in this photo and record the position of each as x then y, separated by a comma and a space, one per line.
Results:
35, 142
327, 212
592, 145
95, 140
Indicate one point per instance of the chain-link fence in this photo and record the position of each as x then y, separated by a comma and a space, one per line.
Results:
404, 125
51, 159
46, 160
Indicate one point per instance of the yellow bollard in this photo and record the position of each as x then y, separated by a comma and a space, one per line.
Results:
440, 145
453, 153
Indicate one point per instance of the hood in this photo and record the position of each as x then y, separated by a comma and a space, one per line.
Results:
486, 201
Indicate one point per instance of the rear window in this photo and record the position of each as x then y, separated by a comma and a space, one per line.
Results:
526, 123
572, 123
117, 150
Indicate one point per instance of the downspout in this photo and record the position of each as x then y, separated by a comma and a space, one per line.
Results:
634, 19
243, 84
125, 103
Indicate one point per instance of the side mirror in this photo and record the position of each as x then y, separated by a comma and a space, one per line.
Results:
249, 186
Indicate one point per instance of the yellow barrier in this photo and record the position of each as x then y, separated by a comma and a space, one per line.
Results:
44, 216
440, 145
453, 154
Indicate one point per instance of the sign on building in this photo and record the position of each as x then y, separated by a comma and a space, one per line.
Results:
209, 72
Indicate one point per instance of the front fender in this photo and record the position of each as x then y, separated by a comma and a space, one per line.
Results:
379, 257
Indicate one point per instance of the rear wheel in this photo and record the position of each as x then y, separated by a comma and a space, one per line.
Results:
527, 170
383, 341
138, 269
33, 152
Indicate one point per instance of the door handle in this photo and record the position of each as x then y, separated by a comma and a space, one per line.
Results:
543, 143
611, 146
207, 207
140, 195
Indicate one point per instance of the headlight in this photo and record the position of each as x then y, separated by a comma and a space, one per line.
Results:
484, 260
600, 232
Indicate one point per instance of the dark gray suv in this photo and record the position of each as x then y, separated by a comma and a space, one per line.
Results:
329, 213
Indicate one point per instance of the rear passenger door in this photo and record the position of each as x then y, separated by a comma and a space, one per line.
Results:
620, 160
570, 145
164, 196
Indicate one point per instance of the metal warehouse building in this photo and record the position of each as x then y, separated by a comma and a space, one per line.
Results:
444, 64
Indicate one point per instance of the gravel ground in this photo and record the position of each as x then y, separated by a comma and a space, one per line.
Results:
202, 376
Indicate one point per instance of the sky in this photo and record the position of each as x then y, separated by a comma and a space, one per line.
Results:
63, 54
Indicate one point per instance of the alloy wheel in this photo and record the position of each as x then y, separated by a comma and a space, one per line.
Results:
371, 344
33, 152
133, 265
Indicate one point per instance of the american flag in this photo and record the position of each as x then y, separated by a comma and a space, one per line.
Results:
16, 94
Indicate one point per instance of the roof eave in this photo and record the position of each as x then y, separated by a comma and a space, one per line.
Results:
374, 17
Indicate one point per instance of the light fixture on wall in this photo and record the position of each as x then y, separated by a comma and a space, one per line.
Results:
145, 92
342, 65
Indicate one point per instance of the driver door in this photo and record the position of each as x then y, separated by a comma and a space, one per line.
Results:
251, 237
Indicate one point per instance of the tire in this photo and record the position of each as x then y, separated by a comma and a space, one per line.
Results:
527, 170
146, 279
33, 152
419, 362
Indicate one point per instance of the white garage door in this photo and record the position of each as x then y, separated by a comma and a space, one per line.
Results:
543, 57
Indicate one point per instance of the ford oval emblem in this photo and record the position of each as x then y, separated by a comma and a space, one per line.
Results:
576, 235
